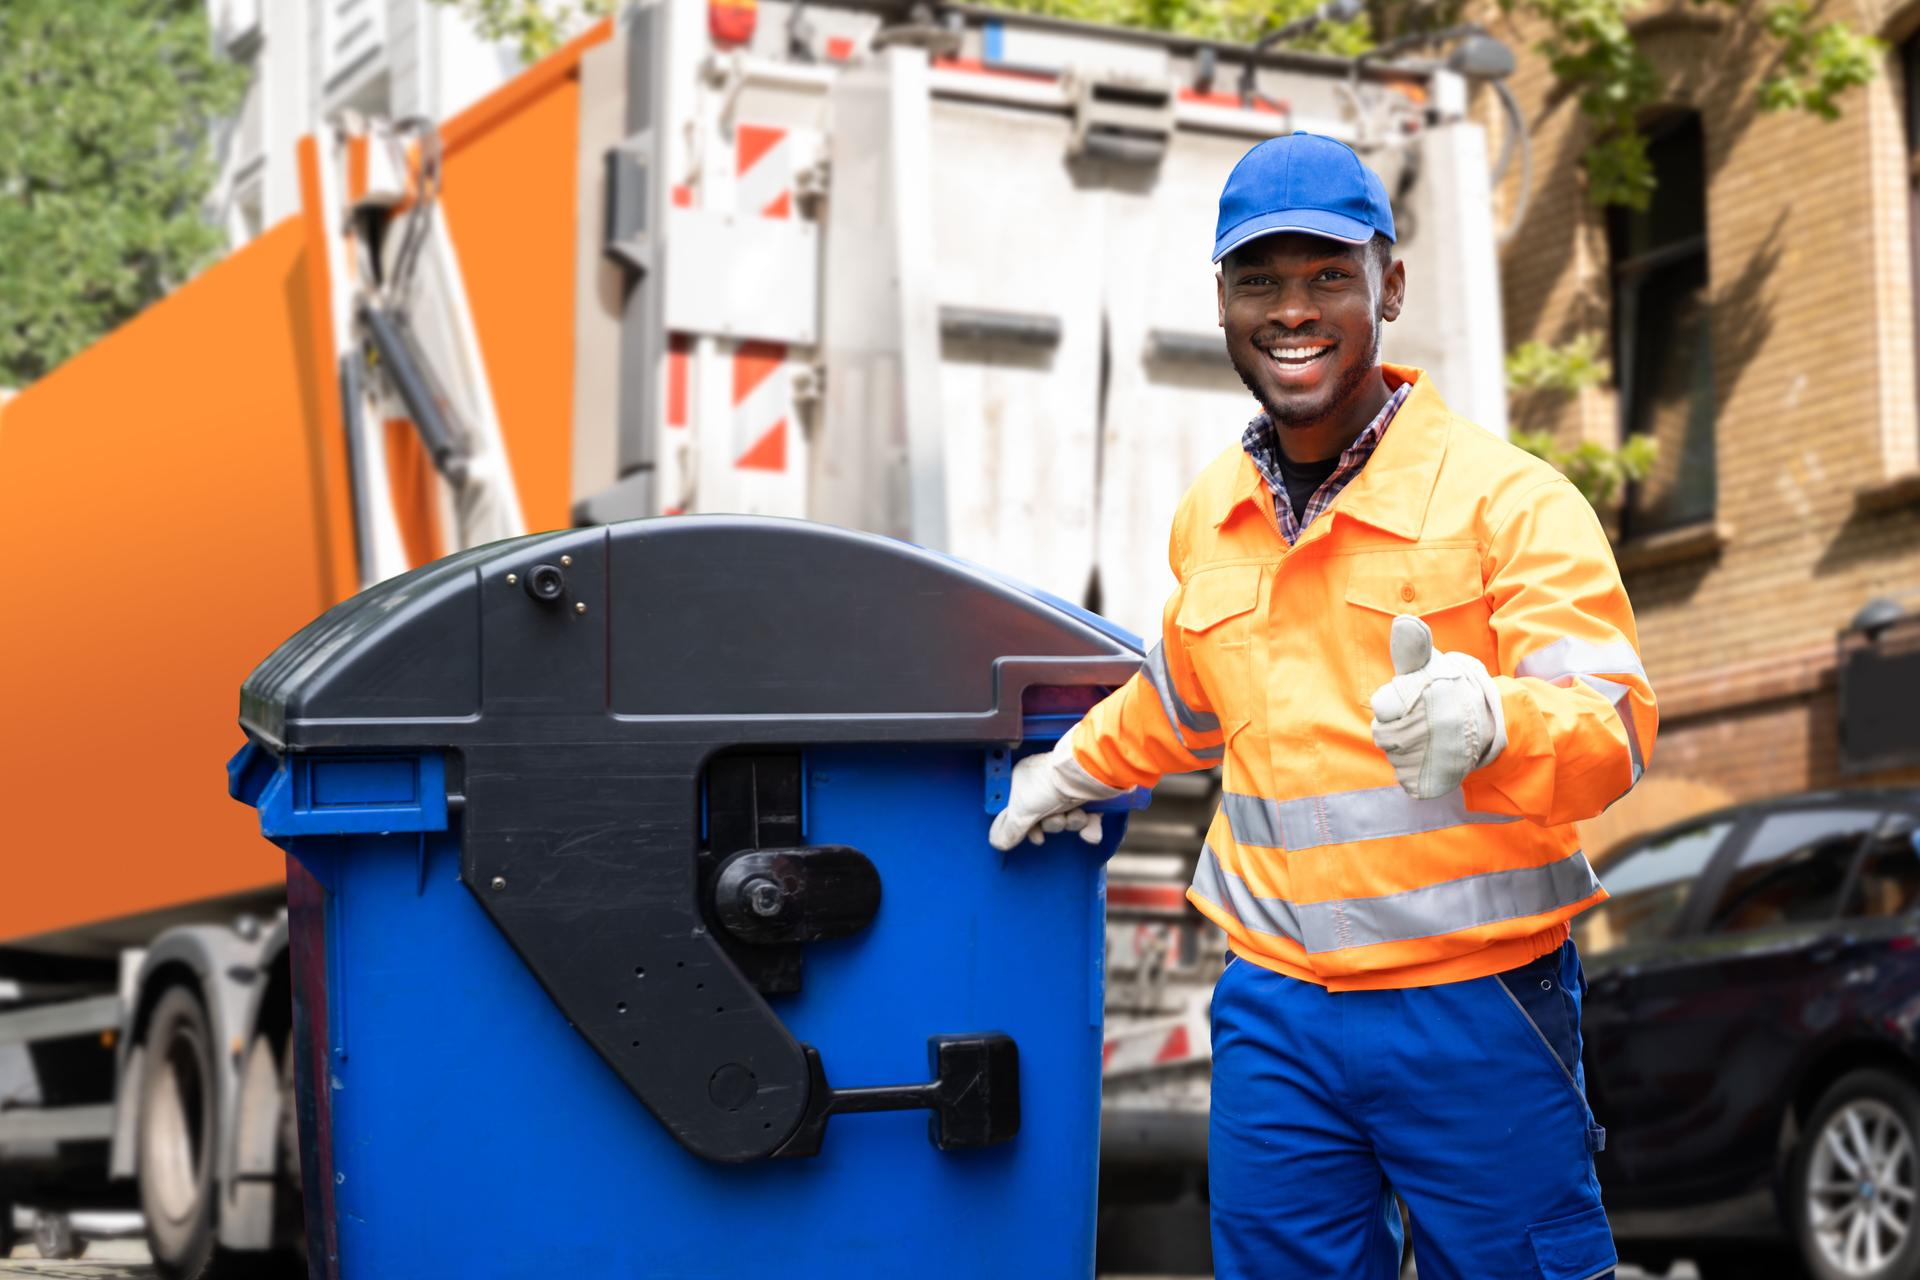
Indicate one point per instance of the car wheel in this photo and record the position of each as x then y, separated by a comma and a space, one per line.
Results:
1854, 1177
177, 1136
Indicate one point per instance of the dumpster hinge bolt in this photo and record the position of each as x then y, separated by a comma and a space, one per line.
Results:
764, 896
499, 883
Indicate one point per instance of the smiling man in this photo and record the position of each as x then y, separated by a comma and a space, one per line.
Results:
1407, 645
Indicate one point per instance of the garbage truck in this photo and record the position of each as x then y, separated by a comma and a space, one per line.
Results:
929, 271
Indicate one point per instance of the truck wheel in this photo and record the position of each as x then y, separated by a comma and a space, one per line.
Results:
1854, 1179
177, 1137
53, 1237
292, 1182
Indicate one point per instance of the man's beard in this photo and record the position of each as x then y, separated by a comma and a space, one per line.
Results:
1294, 416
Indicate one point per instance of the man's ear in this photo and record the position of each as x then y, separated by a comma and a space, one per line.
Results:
1393, 289
1220, 297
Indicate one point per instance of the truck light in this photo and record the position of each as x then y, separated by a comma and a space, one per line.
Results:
732, 21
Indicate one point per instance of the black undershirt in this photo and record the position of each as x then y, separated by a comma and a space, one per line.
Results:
1303, 480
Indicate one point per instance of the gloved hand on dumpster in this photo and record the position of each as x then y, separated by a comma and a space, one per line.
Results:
1439, 718
1046, 795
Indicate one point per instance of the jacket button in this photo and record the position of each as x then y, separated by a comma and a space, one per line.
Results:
1406, 591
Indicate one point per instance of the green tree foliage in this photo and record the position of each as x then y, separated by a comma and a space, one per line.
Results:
534, 27
1541, 369
1588, 44
1573, 366
1596, 471
1242, 20
106, 110
1592, 51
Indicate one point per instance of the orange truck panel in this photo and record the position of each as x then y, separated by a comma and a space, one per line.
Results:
509, 204
163, 502
174, 502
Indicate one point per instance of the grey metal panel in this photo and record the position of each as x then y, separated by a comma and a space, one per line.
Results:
879, 460
57, 1124
636, 208
598, 283
50, 1021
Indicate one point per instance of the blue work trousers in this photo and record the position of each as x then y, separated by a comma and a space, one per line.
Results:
1465, 1098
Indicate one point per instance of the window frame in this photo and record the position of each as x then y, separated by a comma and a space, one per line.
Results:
1707, 889
1628, 275
1740, 824
1908, 53
1891, 816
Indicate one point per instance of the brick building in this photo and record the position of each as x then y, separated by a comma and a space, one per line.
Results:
1760, 322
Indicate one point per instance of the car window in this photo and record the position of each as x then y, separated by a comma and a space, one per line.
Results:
1889, 883
1793, 869
1649, 884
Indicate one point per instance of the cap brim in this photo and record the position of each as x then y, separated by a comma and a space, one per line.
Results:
1313, 222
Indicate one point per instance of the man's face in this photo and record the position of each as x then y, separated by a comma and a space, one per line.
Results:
1303, 317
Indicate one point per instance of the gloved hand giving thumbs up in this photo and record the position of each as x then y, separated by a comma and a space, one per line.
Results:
1439, 718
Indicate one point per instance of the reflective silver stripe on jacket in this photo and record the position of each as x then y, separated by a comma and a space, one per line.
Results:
1178, 712
1376, 813
1570, 657
1427, 912
1567, 660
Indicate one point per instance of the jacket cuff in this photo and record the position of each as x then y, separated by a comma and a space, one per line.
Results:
1073, 773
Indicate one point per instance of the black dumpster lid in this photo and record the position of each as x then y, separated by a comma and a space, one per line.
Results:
747, 628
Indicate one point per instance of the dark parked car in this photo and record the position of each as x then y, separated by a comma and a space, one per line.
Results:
1754, 990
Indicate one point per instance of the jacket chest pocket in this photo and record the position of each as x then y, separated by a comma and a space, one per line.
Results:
1219, 611
1440, 585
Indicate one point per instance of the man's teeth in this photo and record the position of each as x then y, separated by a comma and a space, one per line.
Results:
1297, 353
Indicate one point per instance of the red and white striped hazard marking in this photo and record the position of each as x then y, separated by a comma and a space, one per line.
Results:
762, 397
762, 402
763, 171
1155, 1045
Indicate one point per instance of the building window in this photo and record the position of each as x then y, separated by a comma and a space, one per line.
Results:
1663, 353
1910, 78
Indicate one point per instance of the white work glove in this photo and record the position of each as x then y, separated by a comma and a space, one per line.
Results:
1439, 718
1046, 795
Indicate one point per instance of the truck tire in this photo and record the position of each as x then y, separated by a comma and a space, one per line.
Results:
178, 1133
292, 1182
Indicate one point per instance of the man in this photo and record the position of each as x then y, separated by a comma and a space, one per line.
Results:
1407, 643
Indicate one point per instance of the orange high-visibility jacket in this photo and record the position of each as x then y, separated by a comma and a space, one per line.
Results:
1317, 864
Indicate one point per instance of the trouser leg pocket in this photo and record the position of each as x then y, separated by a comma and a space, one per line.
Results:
1579, 1247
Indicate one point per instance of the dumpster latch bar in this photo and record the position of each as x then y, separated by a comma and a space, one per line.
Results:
974, 1095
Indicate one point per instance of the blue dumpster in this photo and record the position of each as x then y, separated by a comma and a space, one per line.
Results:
643, 920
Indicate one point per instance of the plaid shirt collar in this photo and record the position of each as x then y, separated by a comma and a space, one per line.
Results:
1262, 444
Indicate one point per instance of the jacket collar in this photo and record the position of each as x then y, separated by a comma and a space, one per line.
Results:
1392, 491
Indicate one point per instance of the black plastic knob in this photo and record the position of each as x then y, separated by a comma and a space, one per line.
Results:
546, 583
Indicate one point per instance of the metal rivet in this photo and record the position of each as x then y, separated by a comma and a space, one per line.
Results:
581, 607
513, 579
499, 883
566, 562
1546, 984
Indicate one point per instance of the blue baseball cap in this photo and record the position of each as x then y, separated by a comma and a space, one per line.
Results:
1301, 182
